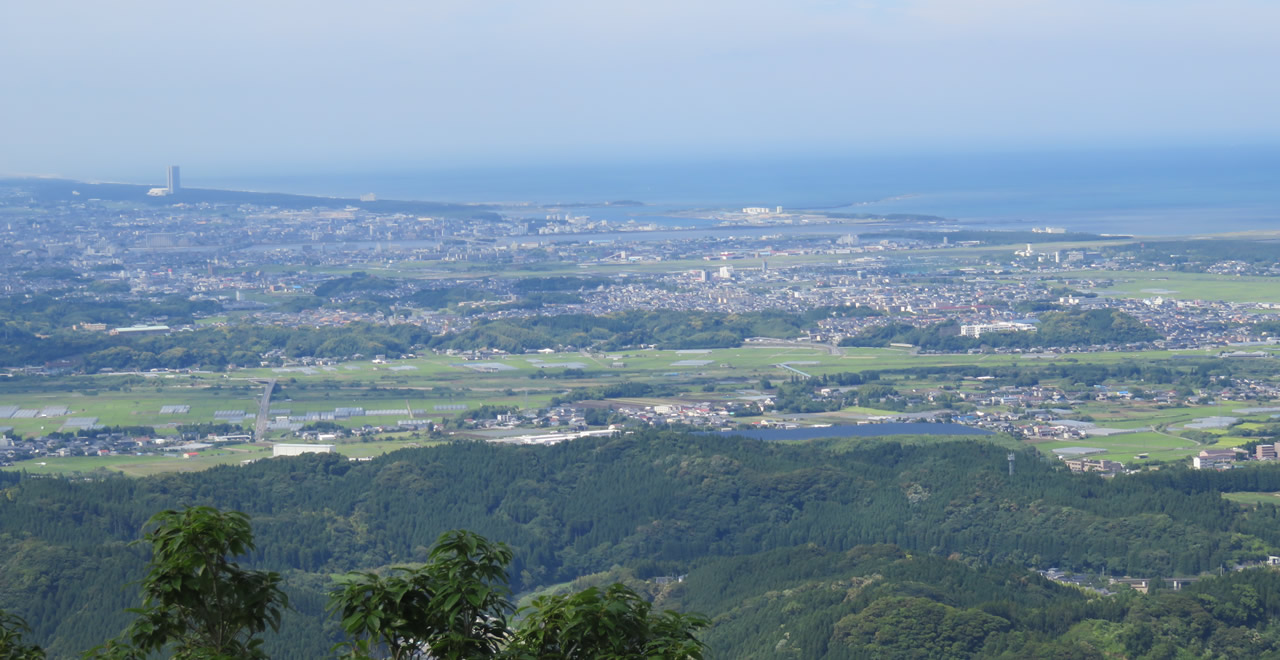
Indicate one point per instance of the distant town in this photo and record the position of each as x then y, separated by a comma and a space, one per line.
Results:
484, 285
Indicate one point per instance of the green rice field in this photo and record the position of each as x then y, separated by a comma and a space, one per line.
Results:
444, 386
160, 462
1184, 286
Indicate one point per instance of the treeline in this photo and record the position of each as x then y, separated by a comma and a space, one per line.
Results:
671, 501
879, 601
1055, 330
664, 328
139, 430
448, 296
808, 395
209, 348
1182, 374
48, 312
1197, 254
993, 237
530, 292
244, 344
615, 391
526, 285
1267, 328
534, 300
1183, 377
357, 282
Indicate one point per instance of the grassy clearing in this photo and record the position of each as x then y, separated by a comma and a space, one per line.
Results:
1229, 442
1139, 414
380, 447
140, 466
1253, 499
138, 406
1125, 447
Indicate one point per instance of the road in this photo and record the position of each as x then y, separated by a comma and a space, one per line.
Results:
788, 367
264, 411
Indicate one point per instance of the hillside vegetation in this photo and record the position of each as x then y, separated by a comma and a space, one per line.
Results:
815, 537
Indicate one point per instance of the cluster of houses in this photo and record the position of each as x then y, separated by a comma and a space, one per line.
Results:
107, 443
703, 413
1222, 459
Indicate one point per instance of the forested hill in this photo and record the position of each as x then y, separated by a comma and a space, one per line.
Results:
647, 504
53, 191
1072, 327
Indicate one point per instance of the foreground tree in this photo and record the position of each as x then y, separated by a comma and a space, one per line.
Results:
613, 623
197, 601
12, 628
199, 604
455, 606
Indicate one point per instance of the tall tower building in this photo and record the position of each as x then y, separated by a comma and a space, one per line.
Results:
174, 182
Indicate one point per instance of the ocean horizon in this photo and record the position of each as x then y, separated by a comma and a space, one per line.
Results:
1133, 191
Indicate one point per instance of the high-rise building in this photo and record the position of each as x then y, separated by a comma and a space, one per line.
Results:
174, 182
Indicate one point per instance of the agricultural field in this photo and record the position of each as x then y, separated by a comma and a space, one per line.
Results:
439, 387
1183, 286
160, 463
442, 385
138, 406
1144, 415
1125, 447
1253, 499
410, 269
139, 466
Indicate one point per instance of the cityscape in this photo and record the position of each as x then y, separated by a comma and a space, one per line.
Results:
898, 330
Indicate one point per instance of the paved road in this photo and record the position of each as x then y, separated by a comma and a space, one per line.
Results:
264, 411
788, 367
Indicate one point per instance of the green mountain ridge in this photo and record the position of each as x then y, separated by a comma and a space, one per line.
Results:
744, 520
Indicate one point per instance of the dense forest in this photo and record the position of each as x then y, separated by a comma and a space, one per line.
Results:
880, 389
1075, 327
664, 329
1195, 255
26, 339
765, 533
45, 312
209, 348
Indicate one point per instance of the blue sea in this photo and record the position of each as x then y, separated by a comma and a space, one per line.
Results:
1168, 191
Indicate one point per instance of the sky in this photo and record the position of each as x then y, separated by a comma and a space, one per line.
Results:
116, 90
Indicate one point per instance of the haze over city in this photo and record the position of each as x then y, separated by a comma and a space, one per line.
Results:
115, 91
810, 329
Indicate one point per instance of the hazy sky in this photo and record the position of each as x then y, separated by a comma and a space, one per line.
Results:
118, 89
